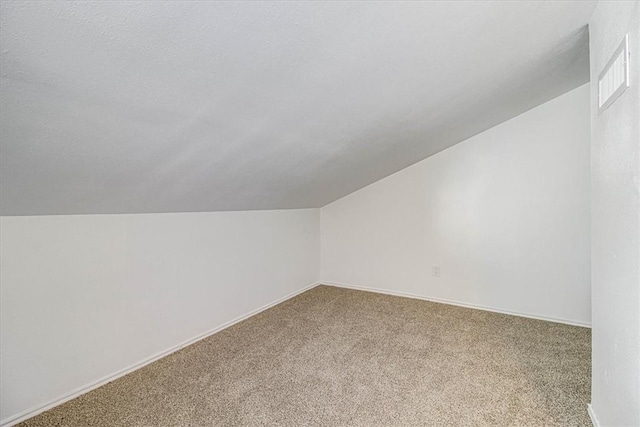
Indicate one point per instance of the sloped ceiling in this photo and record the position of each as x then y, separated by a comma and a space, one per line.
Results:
126, 107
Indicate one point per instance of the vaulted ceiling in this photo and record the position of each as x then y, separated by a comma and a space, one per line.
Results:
168, 106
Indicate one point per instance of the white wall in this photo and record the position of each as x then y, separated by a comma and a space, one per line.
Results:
84, 297
615, 397
505, 214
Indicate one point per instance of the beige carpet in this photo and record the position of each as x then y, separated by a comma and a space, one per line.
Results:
337, 357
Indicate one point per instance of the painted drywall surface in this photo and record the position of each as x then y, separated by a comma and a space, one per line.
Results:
615, 159
86, 296
127, 107
504, 214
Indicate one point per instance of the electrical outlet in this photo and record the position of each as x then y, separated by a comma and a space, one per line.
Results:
435, 271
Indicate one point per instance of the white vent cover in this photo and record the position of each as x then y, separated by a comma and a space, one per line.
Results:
614, 79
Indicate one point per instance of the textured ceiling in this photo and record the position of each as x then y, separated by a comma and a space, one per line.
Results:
114, 107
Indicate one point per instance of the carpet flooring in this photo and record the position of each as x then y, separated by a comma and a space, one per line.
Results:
338, 357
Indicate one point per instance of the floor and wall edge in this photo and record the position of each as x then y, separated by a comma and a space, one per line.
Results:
592, 415
13, 420
456, 303
89, 387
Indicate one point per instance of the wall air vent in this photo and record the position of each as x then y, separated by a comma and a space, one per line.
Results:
614, 78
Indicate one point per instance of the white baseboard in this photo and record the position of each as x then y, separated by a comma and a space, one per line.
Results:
22, 416
457, 303
13, 420
592, 415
